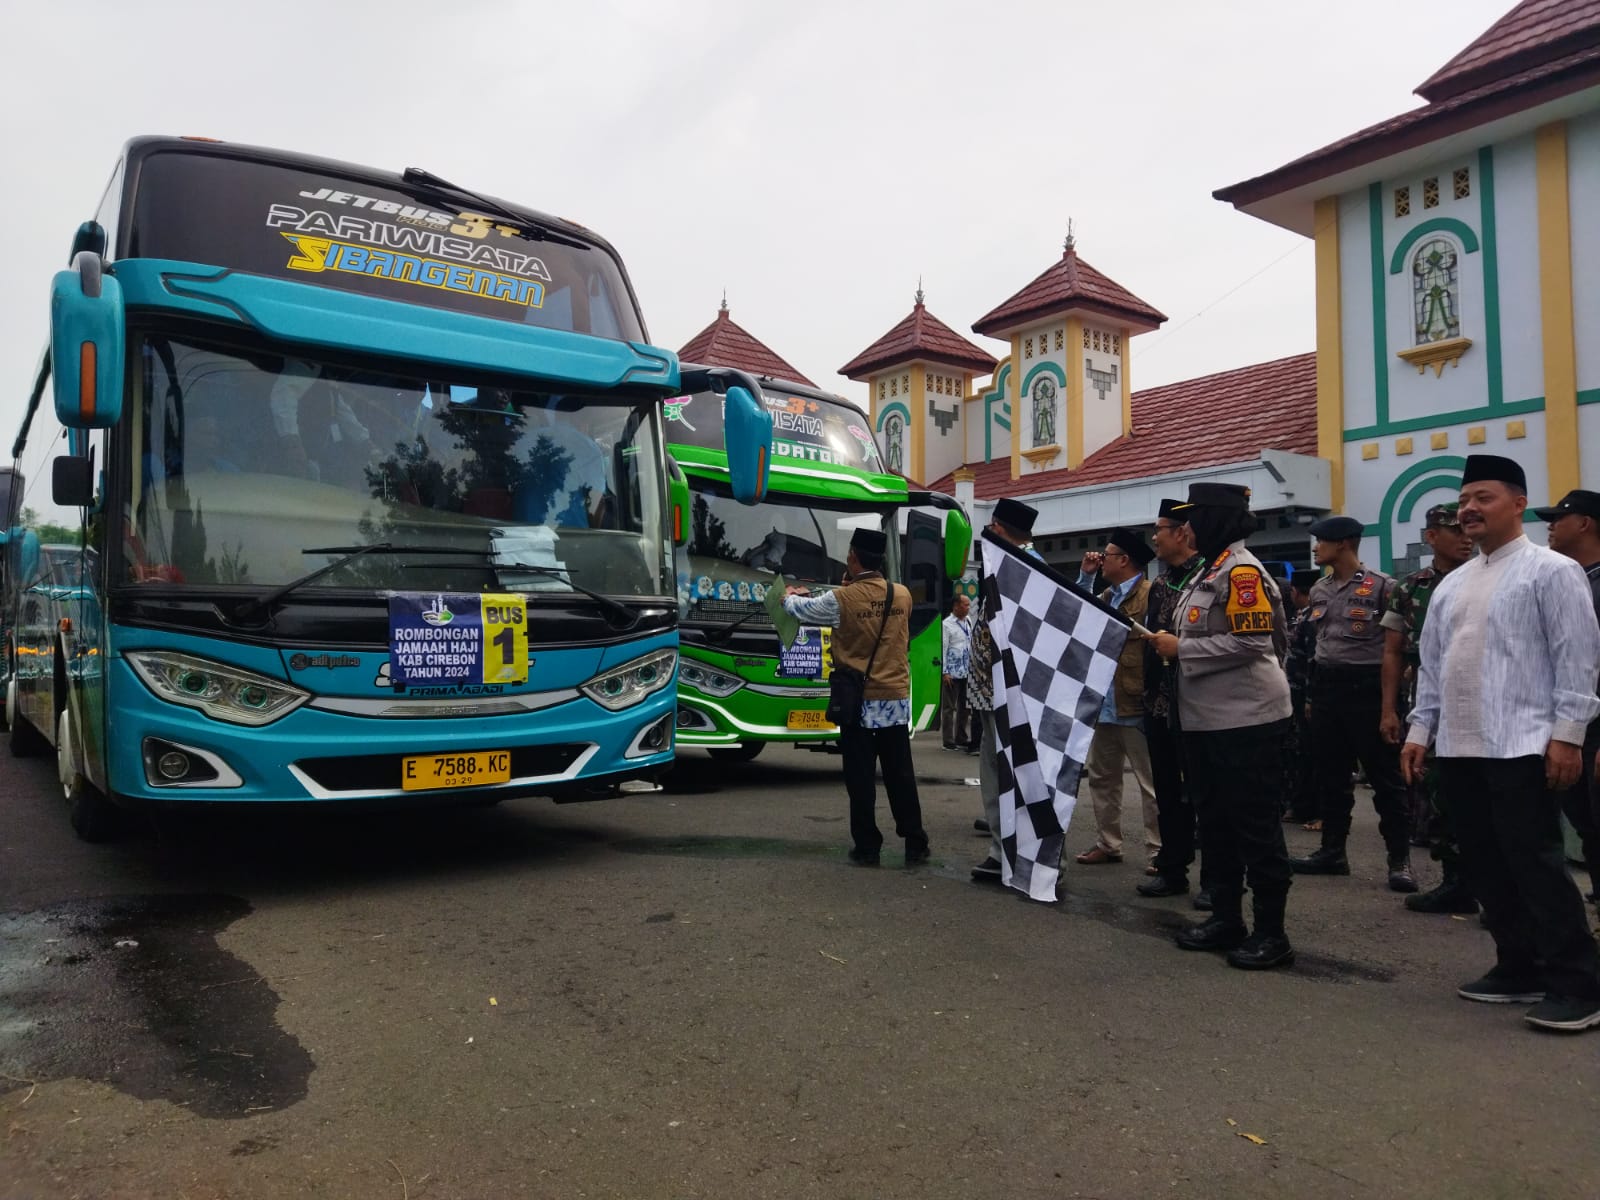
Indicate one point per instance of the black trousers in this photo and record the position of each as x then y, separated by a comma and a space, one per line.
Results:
1300, 771
864, 750
1235, 780
1511, 851
1174, 812
1346, 707
1581, 803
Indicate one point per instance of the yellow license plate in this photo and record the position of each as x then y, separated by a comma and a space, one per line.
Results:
423, 772
808, 718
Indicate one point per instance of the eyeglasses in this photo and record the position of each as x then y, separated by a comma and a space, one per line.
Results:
1169, 527
1112, 554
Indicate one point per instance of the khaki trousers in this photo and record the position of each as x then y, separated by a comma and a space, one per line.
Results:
1112, 746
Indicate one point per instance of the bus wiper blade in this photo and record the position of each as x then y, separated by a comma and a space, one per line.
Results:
565, 576
263, 604
536, 230
722, 635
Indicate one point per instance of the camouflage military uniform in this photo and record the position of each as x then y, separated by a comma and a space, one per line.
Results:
1408, 608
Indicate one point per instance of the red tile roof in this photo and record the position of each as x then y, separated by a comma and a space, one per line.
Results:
724, 344
1068, 283
1207, 422
1524, 90
920, 335
1532, 33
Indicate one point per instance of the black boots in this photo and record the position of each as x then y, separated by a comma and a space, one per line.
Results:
1400, 877
1451, 896
1267, 946
1325, 861
1222, 930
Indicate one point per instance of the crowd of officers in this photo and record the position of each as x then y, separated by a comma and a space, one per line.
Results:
1255, 700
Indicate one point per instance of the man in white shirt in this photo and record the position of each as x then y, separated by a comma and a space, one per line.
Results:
955, 714
1510, 654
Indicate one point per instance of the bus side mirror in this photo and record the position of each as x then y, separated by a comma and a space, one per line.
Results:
957, 543
72, 481
678, 502
747, 438
86, 344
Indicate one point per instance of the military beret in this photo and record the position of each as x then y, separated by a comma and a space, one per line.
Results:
1337, 529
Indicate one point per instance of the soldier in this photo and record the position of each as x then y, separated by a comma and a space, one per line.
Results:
1233, 699
1346, 696
1302, 798
1402, 659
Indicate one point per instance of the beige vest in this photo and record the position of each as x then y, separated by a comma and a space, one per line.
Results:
860, 617
1128, 685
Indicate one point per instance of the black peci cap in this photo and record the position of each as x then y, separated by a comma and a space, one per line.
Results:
869, 541
1494, 468
1168, 510
1015, 514
1131, 544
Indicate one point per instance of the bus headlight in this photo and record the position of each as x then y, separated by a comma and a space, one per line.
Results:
221, 692
708, 679
624, 686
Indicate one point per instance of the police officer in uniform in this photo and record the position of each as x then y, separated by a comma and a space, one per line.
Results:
1402, 659
1233, 699
1346, 698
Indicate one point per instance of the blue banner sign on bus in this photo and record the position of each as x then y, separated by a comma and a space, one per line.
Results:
454, 637
803, 660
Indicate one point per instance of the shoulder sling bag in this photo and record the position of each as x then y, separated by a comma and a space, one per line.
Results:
847, 687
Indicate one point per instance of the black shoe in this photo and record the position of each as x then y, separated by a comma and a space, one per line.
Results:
1498, 987
980, 826
1162, 886
1214, 933
863, 858
1321, 862
988, 871
916, 854
1565, 1014
1400, 877
1202, 900
1446, 898
1262, 951
948, 745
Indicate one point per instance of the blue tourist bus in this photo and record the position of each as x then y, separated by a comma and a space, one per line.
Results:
373, 491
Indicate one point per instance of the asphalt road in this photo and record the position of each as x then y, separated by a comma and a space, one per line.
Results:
693, 995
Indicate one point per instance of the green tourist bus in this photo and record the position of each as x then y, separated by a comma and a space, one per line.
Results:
739, 688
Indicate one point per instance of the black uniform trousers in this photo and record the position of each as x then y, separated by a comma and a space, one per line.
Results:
1511, 852
1346, 707
1581, 803
1301, 802
1174, 811
1235, 781
864, 750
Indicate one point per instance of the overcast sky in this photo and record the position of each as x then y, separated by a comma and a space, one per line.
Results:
813, 159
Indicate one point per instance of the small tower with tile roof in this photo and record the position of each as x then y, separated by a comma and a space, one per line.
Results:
1066, 385
725, 344
918, 375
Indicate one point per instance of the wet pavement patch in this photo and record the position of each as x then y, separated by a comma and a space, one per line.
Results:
135, 992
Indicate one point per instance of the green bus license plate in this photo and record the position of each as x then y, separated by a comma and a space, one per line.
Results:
426, 771
808, 718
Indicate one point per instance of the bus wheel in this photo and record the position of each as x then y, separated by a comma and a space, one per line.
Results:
25, 740
93, 817
742, 753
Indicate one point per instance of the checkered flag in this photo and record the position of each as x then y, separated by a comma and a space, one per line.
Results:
1056, 651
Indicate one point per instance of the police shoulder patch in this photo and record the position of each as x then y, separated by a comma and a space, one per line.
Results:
1249, 605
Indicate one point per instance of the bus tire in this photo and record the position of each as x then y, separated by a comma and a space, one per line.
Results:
25, 741
745, 752
93, 817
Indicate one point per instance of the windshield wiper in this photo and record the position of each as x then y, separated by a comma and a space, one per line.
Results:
262, 604
565, 576
536, 230
723, 634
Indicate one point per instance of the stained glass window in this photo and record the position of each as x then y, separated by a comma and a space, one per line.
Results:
1436, 291
1044, 411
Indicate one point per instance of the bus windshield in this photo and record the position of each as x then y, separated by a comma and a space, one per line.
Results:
734, 549
253, 469
806, 428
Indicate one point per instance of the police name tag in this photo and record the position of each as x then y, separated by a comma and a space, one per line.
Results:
453, 637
